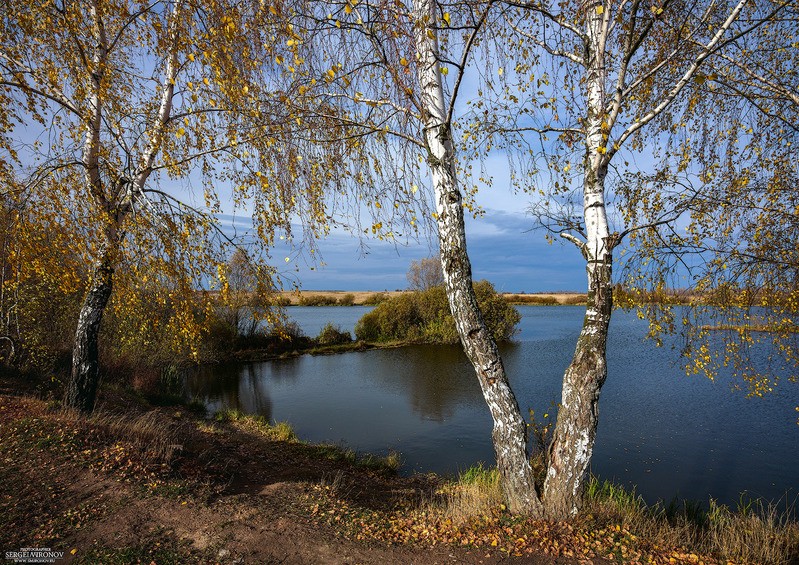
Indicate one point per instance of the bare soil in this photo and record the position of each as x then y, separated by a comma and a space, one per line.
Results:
160, 485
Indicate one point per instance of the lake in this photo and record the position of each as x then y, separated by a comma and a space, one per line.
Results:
660, 430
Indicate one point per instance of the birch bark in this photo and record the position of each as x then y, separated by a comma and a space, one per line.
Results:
575, 430
509, 432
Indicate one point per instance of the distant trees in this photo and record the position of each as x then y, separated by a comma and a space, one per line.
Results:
425, 273
245, 294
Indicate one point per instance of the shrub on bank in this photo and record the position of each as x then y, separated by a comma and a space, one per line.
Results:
333, 335
375, 299
424, 317
318, 300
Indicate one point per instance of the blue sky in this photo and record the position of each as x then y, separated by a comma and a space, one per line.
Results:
501, 246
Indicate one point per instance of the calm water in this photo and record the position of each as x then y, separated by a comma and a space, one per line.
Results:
660, 430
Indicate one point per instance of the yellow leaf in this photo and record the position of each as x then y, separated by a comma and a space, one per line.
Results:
73, 552
205, 81
279, 60
181, 132
347, 9
444, 71
272, 10
191, 56
600, 9
446, 17
404, 62
291, 42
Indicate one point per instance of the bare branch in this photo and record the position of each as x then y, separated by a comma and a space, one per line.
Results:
681, 83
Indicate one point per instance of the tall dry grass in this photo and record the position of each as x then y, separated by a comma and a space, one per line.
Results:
476, 492
755, 532
156, 438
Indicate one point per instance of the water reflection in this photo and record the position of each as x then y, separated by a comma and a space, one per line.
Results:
231, 386
434, 395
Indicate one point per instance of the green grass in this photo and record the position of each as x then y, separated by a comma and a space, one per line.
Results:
389, 463
475, 493
279, 431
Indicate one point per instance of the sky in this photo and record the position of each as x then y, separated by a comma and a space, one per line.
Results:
502, 246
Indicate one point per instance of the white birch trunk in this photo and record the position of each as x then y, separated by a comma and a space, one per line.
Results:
510, 432
575, 430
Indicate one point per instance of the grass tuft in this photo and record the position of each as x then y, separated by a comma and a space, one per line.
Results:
476, 492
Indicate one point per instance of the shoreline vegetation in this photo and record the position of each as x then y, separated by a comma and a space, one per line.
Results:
136, 482
419, 317
372, 298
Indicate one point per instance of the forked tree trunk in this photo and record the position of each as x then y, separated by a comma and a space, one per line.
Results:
82, 388
575, 430
510, 432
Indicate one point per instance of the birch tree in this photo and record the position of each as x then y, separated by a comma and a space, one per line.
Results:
121, 114
621, 69
395, 72
619, 78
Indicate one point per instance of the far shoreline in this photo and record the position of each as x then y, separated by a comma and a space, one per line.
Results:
362, 297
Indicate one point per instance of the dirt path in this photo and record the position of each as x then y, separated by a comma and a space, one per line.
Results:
162, 486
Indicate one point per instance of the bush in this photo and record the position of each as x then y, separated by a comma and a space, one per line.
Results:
318, 300
333, 335
424, 317
533, 299
375, 299
347, 300
288, 330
